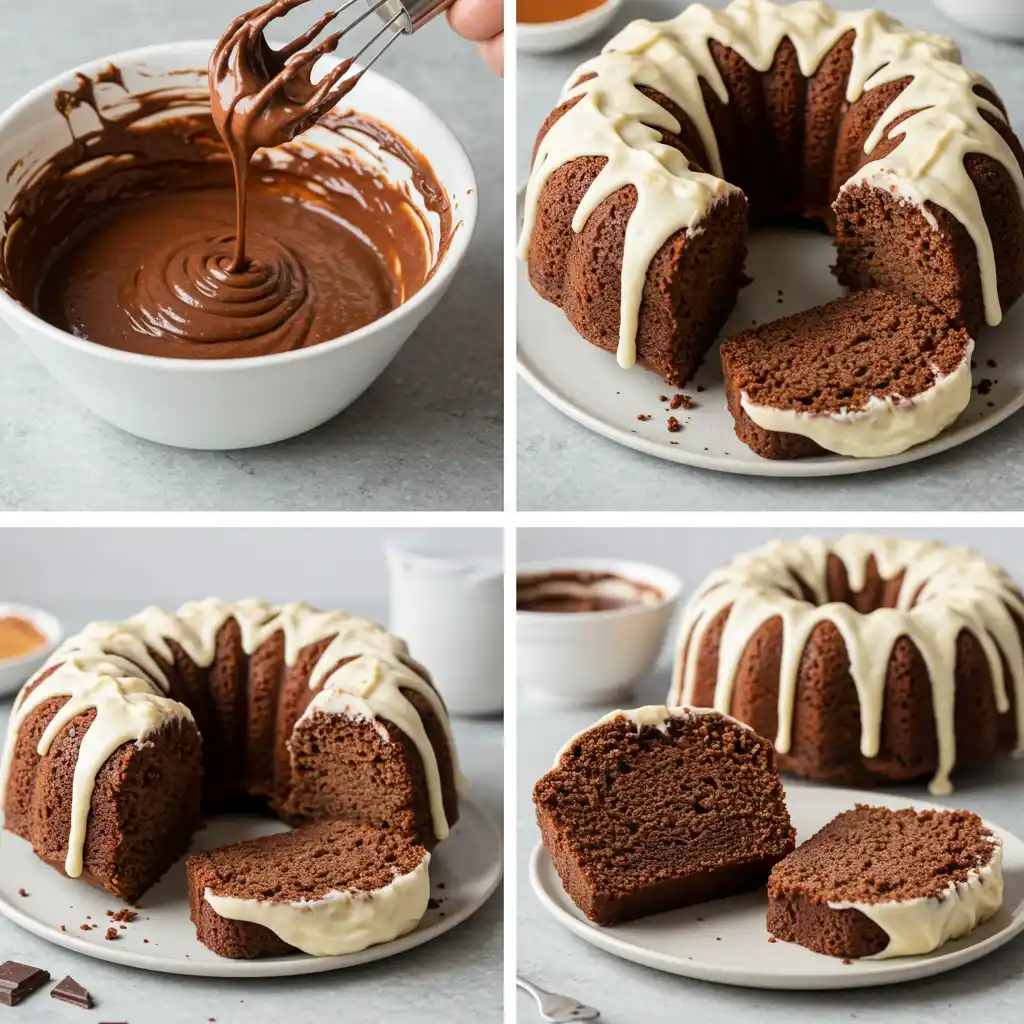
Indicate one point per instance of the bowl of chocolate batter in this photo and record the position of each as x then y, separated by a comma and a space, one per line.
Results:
587, 630
206, 298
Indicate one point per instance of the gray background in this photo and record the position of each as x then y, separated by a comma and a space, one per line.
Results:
109, 574
562, 465
991, 989
427, 435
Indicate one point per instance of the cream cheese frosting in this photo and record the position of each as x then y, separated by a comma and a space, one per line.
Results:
883, 426
613, 120
342, 921
918, 926
944, 591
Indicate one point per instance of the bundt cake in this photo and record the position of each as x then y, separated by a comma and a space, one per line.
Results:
867, 375
637, 205
659, 808
132, 728
324, 889
867, 659
878, 883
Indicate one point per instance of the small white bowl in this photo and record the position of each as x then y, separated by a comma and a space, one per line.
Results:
552, 36
229, 403
580, 659
15, 671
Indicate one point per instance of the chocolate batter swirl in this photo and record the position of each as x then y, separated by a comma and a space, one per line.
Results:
262, 97
171, 238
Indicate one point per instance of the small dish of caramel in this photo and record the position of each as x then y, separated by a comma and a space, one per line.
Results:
27, 638
19, 637
547, 26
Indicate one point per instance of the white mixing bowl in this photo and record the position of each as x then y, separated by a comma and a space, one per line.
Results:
230, 403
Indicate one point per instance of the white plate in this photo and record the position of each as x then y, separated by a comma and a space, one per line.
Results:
464, 870
586, 383
726, 940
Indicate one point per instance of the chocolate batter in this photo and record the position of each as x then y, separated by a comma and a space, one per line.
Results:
150, 235
578, 592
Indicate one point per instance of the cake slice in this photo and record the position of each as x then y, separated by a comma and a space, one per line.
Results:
878, 883
325, 889
868, 375
659, 808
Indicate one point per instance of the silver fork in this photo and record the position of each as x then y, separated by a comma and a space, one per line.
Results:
555, 1008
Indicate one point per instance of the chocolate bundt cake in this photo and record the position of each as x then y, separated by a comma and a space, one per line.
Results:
324, 890
868, 375
868, 660
133, 728
637, 204
659, 808
877, 883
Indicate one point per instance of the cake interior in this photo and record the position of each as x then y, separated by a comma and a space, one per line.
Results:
639, 822
871, 855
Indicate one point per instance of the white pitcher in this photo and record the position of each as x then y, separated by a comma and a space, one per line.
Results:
450, 610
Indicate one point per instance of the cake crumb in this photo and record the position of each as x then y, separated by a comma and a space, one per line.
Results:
991, 363
662, 398
847, 963
63, 927
123, 915
21, 892
112, 934
771, 938
674, 426
700, 388
146, 941
643, 417
681, 400
85, 927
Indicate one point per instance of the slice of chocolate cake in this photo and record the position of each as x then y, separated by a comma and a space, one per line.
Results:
325, 889
868, 375
659, 808
879, 883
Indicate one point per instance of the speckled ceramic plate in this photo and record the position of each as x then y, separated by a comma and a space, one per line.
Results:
726, 940
790, 268
464, 871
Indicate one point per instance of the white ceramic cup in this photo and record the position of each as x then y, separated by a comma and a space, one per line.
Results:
230, 403
553, 36
16, 671
450, 610
579, 659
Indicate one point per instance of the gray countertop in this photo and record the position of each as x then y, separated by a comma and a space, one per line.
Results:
457, 978
564, 466
427, 435
991, 989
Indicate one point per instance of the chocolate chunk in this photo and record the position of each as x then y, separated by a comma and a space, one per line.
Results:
18, 981
69, 991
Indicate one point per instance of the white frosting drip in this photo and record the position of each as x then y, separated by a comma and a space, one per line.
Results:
371, 689
655, 715
944, 591
920, 925
611, 120
883, 426
341, 922
110, 667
